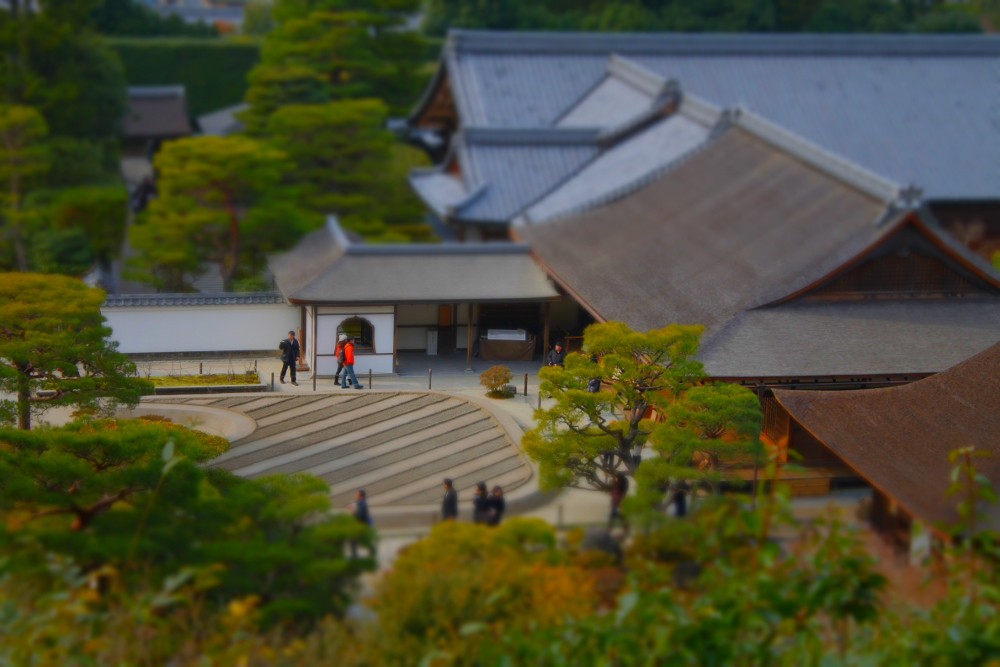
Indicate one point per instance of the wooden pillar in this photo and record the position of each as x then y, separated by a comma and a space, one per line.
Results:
312, 336
395, 320
545, 332
468, 348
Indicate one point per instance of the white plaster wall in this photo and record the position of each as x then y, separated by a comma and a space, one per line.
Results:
168, 329
383, 322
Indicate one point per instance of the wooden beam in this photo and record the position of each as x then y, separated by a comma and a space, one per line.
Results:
468, 349
545, 332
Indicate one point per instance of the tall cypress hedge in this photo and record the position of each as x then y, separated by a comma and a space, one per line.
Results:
214, 70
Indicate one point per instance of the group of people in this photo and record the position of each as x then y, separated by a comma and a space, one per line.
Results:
487, 507
291, 353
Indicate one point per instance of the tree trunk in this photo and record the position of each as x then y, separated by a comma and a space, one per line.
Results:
23, 399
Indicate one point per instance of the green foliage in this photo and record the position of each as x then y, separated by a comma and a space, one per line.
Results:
97, 212
67, 74
66, 251
219, 198
53, 338
22, 158
213, 71
141, 504
699, 16
339, 150
257, 19
83, 469
133, 18
452, 592
321, 51
585, 438
252, 284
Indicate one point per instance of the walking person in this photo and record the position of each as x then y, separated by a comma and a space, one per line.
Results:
449, 506
360, 509
479, 498
338, 351
618, 493
348, 371
495, 505
290, 352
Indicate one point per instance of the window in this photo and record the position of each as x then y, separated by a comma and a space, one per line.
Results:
362, 331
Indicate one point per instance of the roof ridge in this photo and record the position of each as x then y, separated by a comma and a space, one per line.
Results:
638, 183
636, 75
723, 43
834, 165
541, 134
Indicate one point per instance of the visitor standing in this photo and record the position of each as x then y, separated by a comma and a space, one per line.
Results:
449, 506
495, 505
360, 509
479, 514
557, 355
338, 352
618, 492
289, 356
348, 371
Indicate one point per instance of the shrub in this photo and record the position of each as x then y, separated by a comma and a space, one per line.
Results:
496, 379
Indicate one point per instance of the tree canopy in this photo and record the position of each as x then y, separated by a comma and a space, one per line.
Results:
56, 350
219, 199
700, 16
652, 391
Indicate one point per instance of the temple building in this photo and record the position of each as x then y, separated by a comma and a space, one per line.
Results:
899, 439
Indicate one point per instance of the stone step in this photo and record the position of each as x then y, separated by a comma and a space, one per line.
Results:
284, 418
368, 470
395, 433
344, 433
287, 403
395, 486
344, 422
451, 424
319, 411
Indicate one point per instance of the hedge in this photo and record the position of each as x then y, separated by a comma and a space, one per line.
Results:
214, 70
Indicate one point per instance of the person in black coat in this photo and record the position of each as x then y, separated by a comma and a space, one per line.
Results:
290, 353
557, 355
479, 499
495, 506
449, 506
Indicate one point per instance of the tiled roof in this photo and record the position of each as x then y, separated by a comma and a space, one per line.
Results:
325, 267
739, 223
831, 338
217, 299
918, 109
899, 438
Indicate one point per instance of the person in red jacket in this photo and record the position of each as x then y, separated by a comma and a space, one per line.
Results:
349, 365
339, 352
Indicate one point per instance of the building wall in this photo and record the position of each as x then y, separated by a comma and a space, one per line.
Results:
383, 322
224, 328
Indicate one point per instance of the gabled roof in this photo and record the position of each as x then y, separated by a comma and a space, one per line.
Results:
899, 438
156, 112
749, 217
916, 108
325, 267
504, 171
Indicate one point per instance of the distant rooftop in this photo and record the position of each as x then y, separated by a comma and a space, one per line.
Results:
915, 108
